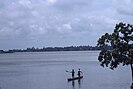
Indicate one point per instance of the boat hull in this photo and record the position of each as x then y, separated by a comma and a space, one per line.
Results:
75, 78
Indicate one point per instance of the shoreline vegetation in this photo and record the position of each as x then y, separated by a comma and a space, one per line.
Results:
49, 49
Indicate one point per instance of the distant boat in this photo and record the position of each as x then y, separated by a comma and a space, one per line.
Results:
75, 78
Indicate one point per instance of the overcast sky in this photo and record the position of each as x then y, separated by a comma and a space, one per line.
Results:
38, 23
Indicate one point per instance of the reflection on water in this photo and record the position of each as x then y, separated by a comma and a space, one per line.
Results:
78, 83
73, 83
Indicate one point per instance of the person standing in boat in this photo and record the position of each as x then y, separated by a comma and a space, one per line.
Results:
79, 73
73, 72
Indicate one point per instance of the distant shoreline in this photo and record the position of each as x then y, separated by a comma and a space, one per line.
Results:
53, 49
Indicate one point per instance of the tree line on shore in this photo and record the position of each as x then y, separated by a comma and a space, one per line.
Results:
45, 49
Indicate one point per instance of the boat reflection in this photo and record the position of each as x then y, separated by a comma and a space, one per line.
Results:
79, 83
73, 83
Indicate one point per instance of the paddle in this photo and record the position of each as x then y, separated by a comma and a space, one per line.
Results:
67, 71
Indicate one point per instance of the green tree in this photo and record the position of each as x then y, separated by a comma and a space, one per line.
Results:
121, 43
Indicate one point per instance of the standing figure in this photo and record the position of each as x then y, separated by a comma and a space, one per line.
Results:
73, 73
79, 73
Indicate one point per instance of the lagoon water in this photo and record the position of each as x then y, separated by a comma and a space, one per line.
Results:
47, 70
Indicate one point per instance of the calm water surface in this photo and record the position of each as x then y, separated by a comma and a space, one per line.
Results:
47, 70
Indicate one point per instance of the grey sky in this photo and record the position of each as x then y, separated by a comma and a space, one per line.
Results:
38, 23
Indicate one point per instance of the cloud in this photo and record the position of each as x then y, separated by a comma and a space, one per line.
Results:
59, 22
125, 7
51, 1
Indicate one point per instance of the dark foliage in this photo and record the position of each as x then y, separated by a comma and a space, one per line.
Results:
121, 41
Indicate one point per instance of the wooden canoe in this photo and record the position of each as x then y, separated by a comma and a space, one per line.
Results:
75, 78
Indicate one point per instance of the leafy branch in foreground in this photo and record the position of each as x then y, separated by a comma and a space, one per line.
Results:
121, 42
